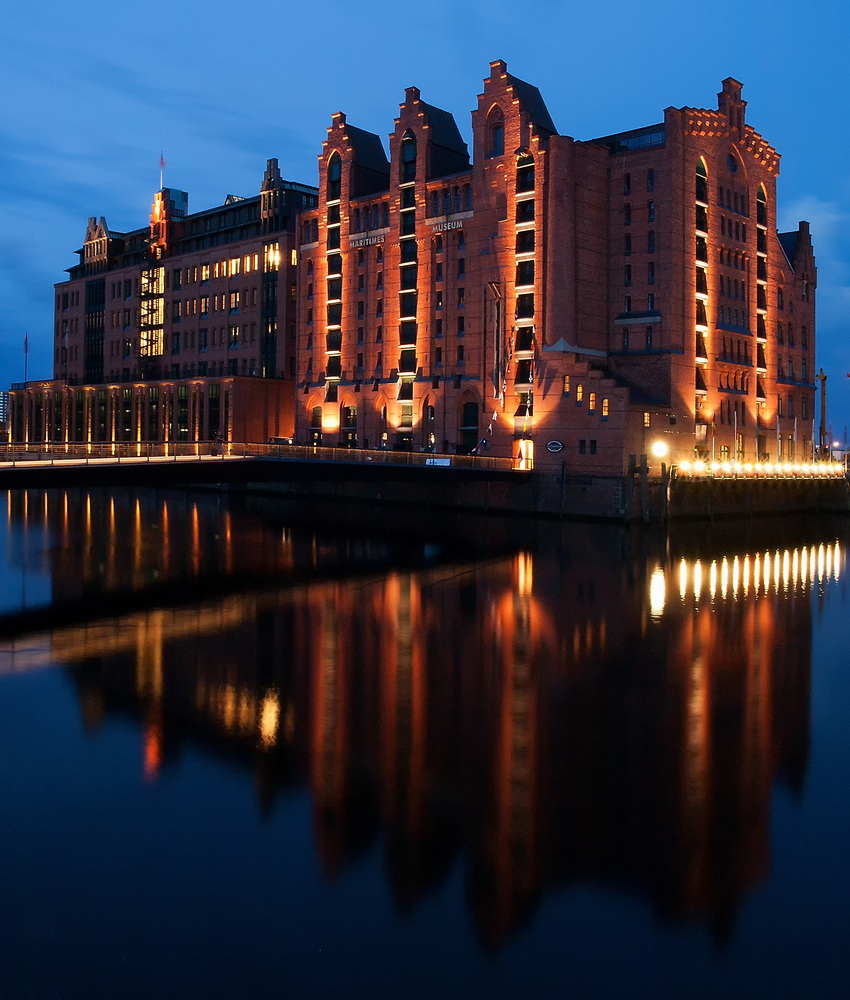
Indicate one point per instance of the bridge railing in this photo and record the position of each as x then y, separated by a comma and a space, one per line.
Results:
127, 451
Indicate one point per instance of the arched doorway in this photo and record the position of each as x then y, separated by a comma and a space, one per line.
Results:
314, 431
348, 426
429, 439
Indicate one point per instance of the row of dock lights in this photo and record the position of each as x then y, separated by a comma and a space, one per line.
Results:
815, 470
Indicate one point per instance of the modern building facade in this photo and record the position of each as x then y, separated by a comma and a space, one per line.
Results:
563, 303
183, 331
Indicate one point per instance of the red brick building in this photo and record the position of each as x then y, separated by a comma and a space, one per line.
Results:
552, 300
597, 296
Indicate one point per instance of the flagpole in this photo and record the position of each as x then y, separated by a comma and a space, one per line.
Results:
26, 356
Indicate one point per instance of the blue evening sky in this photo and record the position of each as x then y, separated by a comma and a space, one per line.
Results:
94, 90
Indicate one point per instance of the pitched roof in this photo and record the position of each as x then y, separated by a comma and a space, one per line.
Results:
789, 245
534, 104
370, 149
444, 130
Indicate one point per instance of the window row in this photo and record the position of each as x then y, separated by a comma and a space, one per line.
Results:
650, 213
783, 410
68, 300
450, 201
629, 335
651, 303
371, 217
650, 182
650, 274
650, 243
734, 230
788, 372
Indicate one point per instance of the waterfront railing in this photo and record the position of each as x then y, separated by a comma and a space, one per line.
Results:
126, 451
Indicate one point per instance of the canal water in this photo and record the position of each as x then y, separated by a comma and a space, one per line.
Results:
252, 751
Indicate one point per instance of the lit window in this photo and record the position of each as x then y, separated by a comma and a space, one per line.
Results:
646, 418
579, 393
591, 402
604, 407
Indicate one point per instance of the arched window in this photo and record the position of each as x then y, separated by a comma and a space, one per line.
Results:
702, 181
334, 177
591, 402
761, 206
496, 132
408, 158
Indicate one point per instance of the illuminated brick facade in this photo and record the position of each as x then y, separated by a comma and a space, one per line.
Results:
592, 297
562, 303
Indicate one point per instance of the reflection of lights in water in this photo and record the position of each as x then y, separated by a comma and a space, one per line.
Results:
153, 751
789, 567
524, 573
656, 593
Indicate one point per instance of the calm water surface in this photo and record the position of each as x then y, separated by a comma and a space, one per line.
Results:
245, 756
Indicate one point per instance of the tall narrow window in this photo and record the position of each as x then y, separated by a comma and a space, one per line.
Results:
408, 158
496, 132
334, 177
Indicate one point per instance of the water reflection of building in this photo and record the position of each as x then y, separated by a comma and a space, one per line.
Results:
554, 719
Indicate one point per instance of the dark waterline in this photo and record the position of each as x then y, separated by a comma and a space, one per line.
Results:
249, 750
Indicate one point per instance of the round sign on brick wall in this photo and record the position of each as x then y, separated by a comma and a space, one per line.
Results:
554, 446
